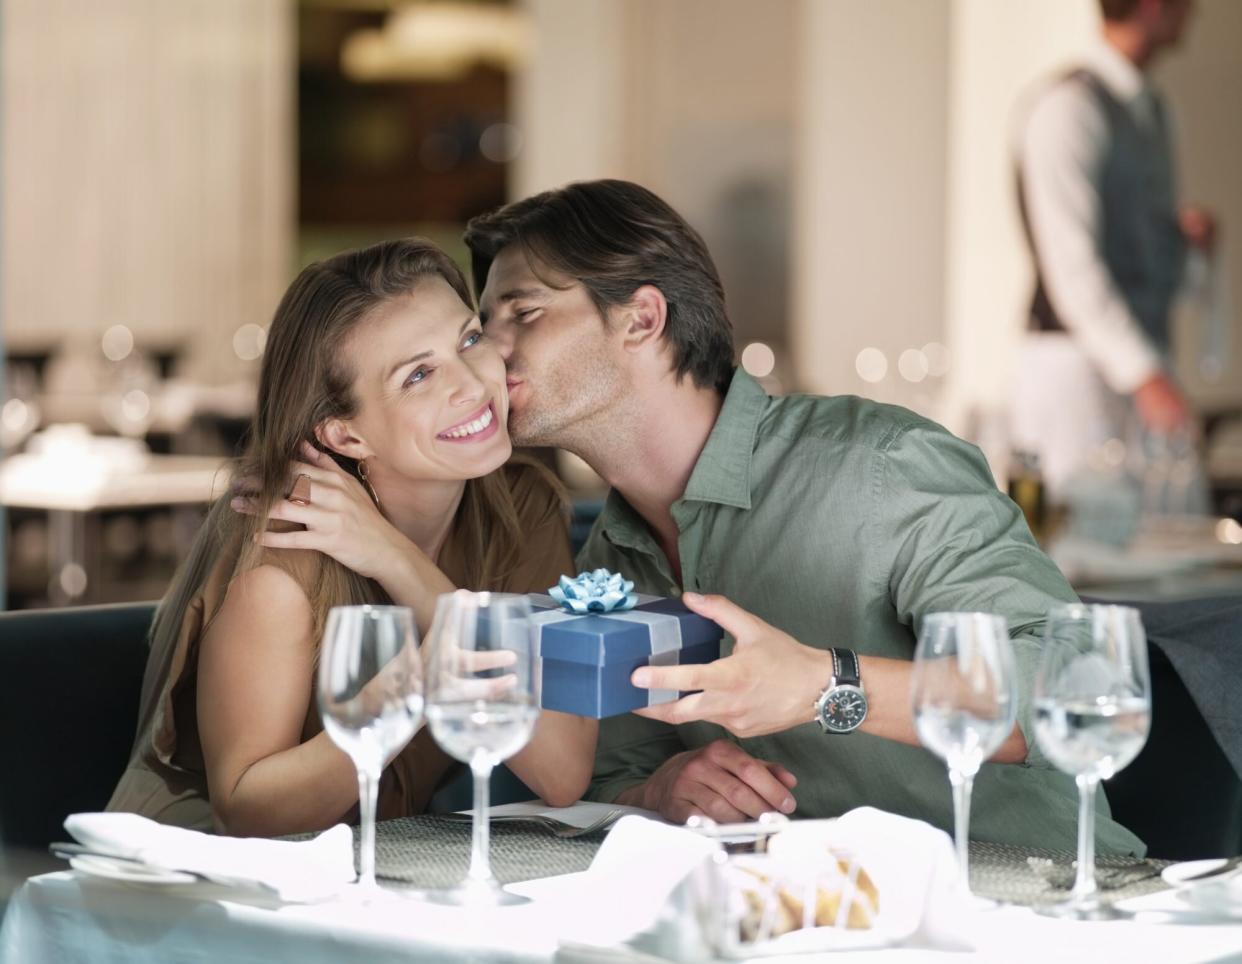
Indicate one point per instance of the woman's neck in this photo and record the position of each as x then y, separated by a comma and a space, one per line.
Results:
422, 511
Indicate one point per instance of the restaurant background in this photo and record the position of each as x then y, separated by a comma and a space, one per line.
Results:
168, 166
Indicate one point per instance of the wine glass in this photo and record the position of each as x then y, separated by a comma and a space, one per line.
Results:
1092, 715
371, 699
965, 703
482, 703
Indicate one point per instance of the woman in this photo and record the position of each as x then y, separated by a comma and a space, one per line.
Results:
381, 388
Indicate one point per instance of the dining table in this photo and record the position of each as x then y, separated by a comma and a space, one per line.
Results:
70, 915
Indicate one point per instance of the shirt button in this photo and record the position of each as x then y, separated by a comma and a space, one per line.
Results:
675, 592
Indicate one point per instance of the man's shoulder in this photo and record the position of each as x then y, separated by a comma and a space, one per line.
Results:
840, 420
1072, 102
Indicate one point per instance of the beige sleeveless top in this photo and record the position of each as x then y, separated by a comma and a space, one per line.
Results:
166, 778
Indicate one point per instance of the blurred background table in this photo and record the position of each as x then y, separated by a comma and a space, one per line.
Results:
77, 492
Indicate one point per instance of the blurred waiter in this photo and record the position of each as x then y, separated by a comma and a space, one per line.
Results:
1098, 202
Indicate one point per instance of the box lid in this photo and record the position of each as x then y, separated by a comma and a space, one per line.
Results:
656, 624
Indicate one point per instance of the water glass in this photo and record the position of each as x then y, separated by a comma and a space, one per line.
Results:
482, 704
964, 701
1092, 716
370, 688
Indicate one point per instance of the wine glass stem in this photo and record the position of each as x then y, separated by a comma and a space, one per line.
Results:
480, 866
1084, 881
962, 784
368, 798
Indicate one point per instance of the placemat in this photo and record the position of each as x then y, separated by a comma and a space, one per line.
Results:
431, 851
1006, 873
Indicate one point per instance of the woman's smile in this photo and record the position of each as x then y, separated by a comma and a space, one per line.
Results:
479, 426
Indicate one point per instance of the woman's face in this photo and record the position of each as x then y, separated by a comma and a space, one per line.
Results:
430, 388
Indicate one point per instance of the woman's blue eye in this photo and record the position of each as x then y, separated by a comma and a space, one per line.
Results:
472, 339
416, 376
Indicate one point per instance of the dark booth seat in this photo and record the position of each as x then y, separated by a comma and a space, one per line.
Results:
1183, 792
69, 686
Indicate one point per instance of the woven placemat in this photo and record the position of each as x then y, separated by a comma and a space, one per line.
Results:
1023, 875
433, 851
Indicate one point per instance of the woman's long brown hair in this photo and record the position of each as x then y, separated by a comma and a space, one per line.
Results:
303, 383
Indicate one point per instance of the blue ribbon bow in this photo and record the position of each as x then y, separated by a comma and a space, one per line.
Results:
600, 591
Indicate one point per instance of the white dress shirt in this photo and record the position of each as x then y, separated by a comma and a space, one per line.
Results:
1061, 151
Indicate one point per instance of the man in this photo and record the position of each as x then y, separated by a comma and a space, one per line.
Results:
838, 520
1098, 201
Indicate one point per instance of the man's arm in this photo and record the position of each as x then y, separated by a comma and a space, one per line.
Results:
947, 540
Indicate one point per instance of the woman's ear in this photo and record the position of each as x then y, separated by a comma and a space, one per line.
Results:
644, 316
336, 435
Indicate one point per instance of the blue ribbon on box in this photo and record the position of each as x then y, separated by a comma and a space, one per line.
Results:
598, 591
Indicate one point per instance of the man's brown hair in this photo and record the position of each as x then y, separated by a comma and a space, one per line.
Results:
612, 237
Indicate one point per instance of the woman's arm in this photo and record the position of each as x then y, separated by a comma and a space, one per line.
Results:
255, 673
343, 522
558, 761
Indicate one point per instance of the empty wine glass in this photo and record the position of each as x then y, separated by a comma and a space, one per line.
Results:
965, 703
482, 703
371, 698
1092, 715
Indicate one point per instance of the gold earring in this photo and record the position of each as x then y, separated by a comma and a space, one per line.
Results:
362, 474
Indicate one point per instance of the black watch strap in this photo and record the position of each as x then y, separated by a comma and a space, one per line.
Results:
845, 667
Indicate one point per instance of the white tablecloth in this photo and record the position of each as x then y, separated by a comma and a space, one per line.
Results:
66, 917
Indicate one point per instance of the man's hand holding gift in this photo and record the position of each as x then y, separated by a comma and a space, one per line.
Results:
768, 684
771, 683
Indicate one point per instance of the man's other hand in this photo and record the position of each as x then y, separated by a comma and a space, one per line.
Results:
721, 781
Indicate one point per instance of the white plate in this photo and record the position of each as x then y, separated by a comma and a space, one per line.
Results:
1221, 896
1176, 874
115, 870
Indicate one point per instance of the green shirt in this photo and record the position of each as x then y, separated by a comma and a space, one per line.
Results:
843, 522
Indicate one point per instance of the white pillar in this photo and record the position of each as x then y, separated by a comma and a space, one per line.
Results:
869, 176
568, 102
999, 48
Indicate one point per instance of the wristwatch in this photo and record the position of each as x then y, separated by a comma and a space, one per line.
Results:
842, 706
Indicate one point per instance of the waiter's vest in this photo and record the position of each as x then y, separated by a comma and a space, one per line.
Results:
1143, 246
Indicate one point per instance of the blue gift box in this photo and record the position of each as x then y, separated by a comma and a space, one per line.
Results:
587, 660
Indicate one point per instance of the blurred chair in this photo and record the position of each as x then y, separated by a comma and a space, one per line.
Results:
585, 512
1182, 795
70, 681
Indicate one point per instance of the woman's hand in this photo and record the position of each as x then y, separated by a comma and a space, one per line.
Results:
341, 519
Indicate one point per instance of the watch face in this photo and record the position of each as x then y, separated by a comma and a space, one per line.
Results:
844, 708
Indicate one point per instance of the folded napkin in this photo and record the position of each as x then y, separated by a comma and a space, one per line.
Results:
650, 884
299, 872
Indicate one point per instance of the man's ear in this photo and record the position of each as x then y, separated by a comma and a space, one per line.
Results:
644, 317
336, 435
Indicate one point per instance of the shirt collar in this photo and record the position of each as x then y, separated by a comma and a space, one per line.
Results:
722, 472
1122, 78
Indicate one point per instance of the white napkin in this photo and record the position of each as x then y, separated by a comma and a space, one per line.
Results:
298, 871
640, 890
